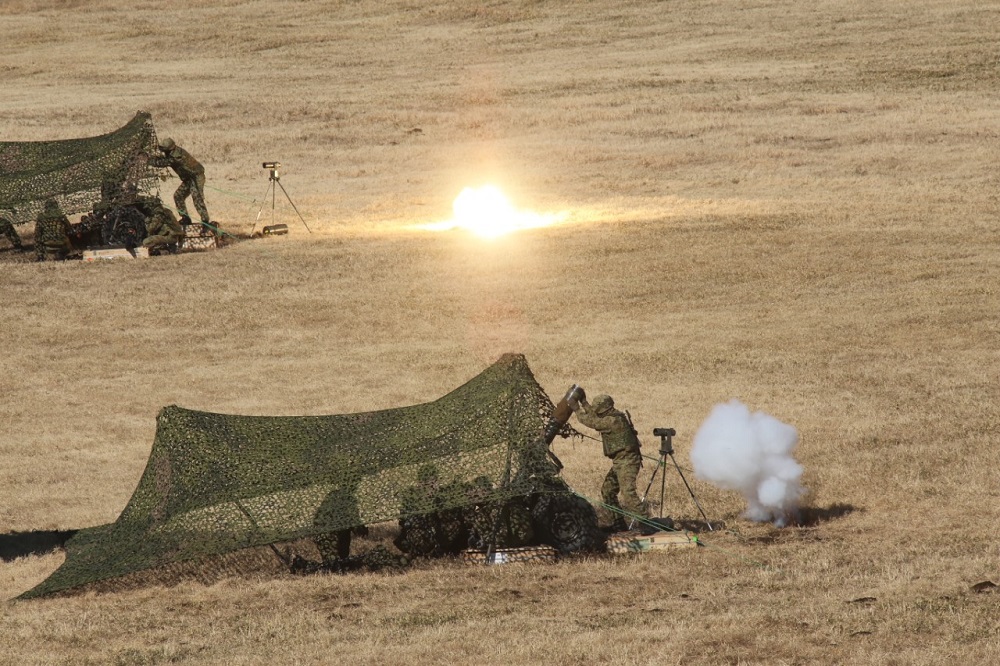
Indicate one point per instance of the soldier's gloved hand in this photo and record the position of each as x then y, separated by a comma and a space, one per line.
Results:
574, 396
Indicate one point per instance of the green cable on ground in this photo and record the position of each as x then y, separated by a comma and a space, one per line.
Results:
218, 230
646, 521
238, 195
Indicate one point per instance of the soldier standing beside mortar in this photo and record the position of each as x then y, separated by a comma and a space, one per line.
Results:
621, 444
192, 175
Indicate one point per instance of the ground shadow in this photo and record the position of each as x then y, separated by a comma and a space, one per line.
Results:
700, 526
814, 515
19, 544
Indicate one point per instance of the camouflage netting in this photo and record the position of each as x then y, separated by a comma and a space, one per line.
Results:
216, 484
72, 171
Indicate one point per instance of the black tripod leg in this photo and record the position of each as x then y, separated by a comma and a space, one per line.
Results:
691, 492
293, 206
270, 184
662, 462
663, 485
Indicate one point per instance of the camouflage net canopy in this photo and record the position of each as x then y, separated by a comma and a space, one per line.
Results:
72, 171
468, 463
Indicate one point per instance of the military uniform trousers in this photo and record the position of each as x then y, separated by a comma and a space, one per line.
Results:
51, 238
620, 480
165, 239
195, 188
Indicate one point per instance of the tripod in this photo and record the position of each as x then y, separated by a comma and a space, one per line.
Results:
667, 449
275, 179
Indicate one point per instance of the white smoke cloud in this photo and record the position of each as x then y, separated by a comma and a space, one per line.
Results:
752, 454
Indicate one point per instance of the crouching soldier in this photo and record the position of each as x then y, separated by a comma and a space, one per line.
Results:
52, 230
7, 229
162, 231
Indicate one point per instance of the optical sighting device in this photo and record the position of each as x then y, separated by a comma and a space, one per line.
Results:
666, 440
666, 436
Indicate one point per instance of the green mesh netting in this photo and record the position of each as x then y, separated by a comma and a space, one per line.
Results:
216, 483
72, 171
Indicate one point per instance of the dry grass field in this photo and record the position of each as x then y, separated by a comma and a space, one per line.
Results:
792, 204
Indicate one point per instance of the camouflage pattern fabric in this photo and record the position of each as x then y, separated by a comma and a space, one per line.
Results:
621, 444
126, 227
194, 188
477, 524
215, 483
620, 480
52, 231
121, 226
192, 175
617, 433
72, 171
181, 161
7, 229
162, 229
120, 219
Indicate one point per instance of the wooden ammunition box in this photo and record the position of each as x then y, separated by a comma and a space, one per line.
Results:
100, 253
634, 542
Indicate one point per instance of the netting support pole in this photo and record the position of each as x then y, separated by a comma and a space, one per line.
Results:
273, 548
491, 547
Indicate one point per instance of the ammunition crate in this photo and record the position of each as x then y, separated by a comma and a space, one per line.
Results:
101, 253
634, 542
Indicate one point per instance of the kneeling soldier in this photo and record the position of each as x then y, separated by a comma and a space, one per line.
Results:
7, 229
52, 232
162, 230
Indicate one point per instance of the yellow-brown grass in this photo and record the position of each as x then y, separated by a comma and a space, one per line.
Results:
791, 204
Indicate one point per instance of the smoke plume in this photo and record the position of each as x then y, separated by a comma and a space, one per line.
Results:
752, 454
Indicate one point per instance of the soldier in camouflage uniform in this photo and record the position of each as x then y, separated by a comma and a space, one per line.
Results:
192, 175
162, 230
52, 232
7, 229
621, 444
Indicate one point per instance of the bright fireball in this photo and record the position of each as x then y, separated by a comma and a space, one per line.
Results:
486, 212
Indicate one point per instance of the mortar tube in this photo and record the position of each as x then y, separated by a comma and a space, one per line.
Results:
562, 412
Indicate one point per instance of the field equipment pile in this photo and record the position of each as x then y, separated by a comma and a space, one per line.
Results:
72, 171
217, 484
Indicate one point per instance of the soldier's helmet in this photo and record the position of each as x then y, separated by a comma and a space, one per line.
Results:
167, 144
603, 404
